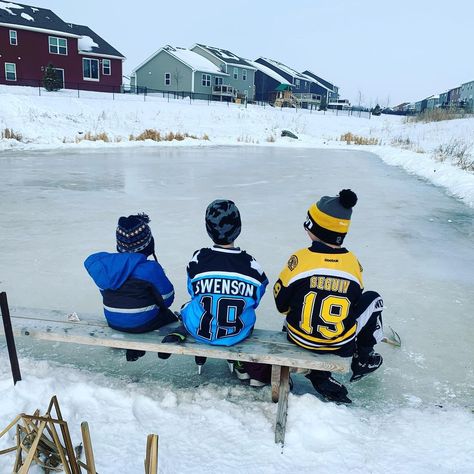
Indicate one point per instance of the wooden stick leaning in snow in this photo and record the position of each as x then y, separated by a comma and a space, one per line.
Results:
263, 346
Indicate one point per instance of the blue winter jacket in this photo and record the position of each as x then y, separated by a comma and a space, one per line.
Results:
133, 288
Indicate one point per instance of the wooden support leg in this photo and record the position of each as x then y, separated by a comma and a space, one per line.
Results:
7, 326
151, 459
276, 374
282, 410
86, 439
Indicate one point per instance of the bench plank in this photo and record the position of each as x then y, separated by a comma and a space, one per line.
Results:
263, 346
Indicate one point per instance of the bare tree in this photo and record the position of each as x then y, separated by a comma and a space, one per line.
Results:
177, 76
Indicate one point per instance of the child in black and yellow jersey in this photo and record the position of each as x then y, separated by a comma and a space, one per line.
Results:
321, 293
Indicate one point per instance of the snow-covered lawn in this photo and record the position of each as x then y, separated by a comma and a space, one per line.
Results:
60, 120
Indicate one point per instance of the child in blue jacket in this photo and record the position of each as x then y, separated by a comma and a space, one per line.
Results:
136, 291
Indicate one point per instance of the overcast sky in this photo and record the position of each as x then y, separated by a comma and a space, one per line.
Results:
388, 51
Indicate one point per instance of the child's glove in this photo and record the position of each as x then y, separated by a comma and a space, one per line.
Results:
178, 335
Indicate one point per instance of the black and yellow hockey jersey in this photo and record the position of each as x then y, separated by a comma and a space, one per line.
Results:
317, 291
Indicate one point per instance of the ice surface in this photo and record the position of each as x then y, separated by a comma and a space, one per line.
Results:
414, 242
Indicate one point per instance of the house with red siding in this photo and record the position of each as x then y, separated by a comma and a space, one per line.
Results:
31, 38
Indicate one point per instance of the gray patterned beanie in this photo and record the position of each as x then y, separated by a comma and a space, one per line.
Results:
223, 222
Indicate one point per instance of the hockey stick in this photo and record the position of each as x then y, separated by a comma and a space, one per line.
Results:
394, 339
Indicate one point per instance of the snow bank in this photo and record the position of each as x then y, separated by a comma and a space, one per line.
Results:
235, 426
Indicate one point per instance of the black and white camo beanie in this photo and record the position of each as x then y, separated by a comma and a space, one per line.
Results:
223, 222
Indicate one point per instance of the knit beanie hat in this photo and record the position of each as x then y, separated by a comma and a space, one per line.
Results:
223, 222
134, 235
330, 217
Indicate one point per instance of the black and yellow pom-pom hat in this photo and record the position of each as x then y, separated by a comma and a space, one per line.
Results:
329, 218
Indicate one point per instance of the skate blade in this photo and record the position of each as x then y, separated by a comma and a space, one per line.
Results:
394, 339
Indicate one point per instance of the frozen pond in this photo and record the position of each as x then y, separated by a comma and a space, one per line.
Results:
414, 242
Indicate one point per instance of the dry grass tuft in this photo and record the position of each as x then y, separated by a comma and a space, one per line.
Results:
271, 139
9, 134
352, 139
148, 134
156, 136
402, 142
91, 137
246, 139
437, 115
458, 151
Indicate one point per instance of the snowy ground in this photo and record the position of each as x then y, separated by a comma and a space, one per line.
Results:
415, 415
58, 120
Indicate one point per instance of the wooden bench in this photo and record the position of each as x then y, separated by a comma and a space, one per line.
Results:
263, 346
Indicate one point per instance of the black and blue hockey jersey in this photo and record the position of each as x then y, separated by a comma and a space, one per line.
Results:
226, 285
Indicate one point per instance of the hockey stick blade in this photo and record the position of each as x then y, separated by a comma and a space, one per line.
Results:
394, 338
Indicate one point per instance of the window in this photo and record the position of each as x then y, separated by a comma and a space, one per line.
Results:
167, 78
90, 69
218, 81
13, 38
206, 80
236, 73
244, 74
297, 82
106, 67
10, 71
57, 45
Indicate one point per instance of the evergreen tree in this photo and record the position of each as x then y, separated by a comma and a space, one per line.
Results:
51, 81
376, 110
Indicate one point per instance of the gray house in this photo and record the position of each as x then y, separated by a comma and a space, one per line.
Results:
467, 95
177, 69
432, 102
443, 99
240, 75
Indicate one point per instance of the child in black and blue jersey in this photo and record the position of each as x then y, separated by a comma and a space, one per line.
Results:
226, 284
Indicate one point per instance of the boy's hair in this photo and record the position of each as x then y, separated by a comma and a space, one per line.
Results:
330, 217
134, 235
223, 222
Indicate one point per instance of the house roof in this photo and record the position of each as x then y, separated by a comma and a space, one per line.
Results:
286, 69
269, 72
29, 17
194, 60
191, 59
91, 43
318, 80
35, 18
226, 56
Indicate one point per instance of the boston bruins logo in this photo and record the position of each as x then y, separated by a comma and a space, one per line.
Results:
292, 262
